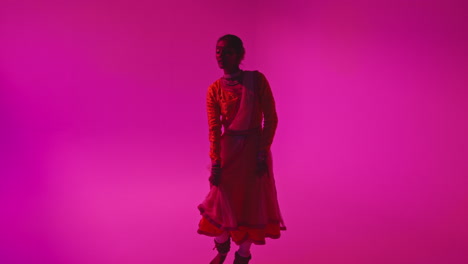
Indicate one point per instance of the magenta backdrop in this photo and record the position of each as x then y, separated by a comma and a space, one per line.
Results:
104, 148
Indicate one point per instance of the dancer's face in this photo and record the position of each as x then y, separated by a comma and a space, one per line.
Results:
226, 56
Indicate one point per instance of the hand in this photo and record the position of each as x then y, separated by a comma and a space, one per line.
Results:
262, 166
215, 176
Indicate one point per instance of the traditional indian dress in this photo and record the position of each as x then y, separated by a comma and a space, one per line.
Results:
245, 202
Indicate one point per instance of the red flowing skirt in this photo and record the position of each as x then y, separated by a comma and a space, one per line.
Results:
245, 203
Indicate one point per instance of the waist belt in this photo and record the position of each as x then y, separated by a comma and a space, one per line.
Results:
256, 130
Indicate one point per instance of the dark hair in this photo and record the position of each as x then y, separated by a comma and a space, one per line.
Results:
235, 42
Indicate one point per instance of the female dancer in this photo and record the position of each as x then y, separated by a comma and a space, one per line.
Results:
242, 203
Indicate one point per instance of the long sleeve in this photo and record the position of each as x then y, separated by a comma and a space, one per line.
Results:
214, 124
270, 118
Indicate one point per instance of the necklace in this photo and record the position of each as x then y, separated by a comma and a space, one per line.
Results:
232, 79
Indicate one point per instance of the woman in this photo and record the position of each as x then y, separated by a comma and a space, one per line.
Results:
242, 202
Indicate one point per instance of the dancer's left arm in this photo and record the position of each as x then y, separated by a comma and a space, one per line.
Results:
270, 118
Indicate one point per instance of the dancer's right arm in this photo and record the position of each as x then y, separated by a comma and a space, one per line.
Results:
214, 125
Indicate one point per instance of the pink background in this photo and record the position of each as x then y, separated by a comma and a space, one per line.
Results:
104, 140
